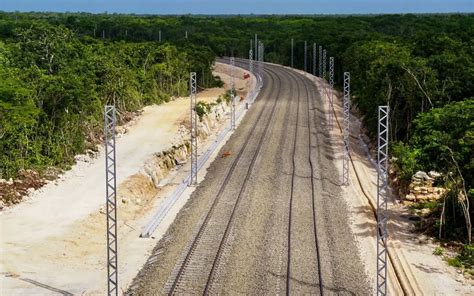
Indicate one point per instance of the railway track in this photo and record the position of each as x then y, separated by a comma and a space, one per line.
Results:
312, 191
315, 229
191, 267
225, 237
245, 231
292, 186
178, 277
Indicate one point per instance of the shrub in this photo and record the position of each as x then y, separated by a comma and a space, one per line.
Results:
405, 160
227, 96
465, 259
202, 108
467, 256
217, 82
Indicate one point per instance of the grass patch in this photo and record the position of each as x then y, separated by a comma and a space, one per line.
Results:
464, 260
425, 205
455, 262
438, 251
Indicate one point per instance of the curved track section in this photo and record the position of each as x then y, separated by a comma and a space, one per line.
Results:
269, 219
214, 230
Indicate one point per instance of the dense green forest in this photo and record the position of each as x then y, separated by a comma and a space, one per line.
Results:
55, 82
57, 70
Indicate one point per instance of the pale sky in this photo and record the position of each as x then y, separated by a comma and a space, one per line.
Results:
240, 6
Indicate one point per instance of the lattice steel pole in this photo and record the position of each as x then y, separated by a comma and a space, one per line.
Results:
257, 60
232, 93
111, 199
250, 61
324, 64
346, 110
314, 59
260, 58
256, 47
292, 52
257, 57
194, 121
331, 91
320, 61
382, 190
305, 55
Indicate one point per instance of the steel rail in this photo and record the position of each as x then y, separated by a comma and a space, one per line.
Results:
202, 227
313, 200
292, 187
169, 202
223, 242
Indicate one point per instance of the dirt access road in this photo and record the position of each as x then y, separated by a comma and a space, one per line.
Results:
268, 219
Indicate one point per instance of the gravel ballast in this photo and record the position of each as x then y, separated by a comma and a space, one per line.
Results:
277, 179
